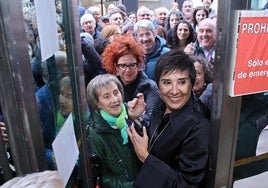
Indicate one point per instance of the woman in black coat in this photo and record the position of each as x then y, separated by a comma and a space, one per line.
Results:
175, 152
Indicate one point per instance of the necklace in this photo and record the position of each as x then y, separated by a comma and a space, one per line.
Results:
157, 133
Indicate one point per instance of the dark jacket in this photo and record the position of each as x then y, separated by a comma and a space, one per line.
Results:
199, 51
119, 162
179, 154
92, 63
148, 87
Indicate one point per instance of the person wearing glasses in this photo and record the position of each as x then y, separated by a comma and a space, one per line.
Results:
124, 57
154, 45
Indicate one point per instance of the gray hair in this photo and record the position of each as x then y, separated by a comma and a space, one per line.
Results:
43, 179
86, 16
98, 82
161, 9
144, 24
142, 8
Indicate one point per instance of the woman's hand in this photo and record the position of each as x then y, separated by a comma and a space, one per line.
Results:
140, 143
137, 106
3, 131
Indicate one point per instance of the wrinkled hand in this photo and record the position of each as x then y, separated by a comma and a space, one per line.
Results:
140, 143
137, 106
3, 131
189, 49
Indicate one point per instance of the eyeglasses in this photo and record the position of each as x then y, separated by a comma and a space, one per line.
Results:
131, 66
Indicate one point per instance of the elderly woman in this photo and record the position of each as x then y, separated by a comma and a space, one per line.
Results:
108, 123
175, 152
124, 58
203, 82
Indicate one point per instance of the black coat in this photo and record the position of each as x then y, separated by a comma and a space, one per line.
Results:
92, 62
179, 155
148, 87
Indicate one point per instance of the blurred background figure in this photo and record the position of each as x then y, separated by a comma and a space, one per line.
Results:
144, 13
161, 14
203, 81
174, 6
187, 9
132, 17
212, 12
111, 31
200, 13
96, 12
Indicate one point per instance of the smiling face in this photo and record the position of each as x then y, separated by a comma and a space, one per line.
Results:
147, 39
161, 17
200, 15
183, 31
128, 72
175, 89
206, 35
110, 99
200, 76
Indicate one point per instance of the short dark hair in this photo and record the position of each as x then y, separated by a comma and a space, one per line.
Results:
175, 60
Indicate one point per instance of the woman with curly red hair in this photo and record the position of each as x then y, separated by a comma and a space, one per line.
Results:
124, 57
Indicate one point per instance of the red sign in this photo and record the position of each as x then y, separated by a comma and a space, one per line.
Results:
251, 63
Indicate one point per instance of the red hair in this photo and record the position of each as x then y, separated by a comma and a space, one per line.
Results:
121, 46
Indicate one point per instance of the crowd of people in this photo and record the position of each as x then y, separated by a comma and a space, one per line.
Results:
153, 66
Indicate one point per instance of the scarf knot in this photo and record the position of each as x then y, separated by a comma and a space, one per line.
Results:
119, 122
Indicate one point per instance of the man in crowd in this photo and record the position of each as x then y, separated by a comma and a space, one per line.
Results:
88, 24
143, 13
206, 38
187, 9
154, 46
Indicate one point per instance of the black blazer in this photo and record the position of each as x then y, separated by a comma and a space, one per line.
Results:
179, 155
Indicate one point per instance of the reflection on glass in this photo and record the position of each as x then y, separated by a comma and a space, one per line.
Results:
252, 127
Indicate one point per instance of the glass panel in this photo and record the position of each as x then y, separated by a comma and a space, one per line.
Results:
252, 126
52, 81
252, 149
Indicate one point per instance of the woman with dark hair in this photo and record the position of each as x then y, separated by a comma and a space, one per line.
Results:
203, 81
174, 153
200, 13
183, 36
124, 57
173, 18
203, 75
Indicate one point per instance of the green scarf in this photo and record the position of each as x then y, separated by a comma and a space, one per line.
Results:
119, 122
60, 120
